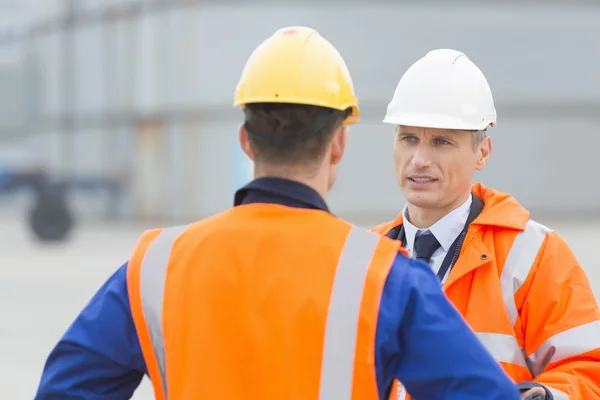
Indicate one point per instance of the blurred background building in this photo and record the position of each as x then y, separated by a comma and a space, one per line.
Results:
138, 93
126, 105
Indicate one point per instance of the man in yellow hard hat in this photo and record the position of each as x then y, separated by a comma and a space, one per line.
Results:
276, 298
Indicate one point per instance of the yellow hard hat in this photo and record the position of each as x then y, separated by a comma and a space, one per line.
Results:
297, 65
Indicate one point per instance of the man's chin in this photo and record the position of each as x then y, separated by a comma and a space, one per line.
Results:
422, 200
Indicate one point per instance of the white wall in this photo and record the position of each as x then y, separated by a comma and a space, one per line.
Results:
180, 68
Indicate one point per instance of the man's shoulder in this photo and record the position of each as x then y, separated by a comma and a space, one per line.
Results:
217, 219
151, 233
545, 235
535, 227
533, 232
381, 228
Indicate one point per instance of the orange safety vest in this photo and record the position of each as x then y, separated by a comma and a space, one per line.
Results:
521, 289
237, 307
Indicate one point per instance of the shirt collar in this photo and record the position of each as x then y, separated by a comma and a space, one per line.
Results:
280, 191
445, 230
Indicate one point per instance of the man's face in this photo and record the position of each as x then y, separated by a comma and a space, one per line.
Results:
435, 167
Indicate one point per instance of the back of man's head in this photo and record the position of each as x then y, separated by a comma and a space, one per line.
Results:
291, 135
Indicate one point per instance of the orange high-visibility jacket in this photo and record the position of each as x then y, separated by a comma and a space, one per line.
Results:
521, 289
223, 349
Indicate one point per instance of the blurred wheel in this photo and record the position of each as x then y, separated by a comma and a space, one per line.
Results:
50, 218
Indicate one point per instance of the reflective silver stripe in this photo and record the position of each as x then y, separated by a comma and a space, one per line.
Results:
518, 263
337, 370
152, 285
569, 343
504, 348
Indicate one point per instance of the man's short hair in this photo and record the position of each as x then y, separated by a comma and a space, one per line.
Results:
477, 137
290, 134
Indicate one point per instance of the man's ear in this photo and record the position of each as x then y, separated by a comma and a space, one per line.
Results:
338, 145
484, 151
245, 142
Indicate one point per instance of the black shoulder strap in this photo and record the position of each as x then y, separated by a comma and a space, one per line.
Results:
476, 208
454, 251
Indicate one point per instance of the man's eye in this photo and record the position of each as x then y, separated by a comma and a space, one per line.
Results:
409, 138
441, 141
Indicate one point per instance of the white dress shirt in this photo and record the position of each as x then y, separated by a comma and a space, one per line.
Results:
446, 230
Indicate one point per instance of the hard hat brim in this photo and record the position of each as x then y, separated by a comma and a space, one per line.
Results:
350, 120
437, 121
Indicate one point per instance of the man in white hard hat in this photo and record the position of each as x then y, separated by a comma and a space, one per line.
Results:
516, 282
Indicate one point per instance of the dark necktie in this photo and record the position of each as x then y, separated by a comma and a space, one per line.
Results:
425, 245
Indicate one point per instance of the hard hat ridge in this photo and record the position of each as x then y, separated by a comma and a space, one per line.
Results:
299, 66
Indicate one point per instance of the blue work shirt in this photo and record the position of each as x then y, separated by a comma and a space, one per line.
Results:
421, 339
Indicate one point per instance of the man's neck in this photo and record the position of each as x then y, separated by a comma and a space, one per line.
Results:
317, 182
424, 218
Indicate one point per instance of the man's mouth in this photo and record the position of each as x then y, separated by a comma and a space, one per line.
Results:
422, 179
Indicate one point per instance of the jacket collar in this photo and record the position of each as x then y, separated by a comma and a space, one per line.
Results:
280, 191
499, 210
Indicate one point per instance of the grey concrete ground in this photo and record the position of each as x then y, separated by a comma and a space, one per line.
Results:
42, 288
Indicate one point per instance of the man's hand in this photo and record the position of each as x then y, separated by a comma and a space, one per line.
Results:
536, 393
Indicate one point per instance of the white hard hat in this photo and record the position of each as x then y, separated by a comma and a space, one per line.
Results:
443, 89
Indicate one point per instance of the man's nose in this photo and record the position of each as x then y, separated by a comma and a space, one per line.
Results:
421, 157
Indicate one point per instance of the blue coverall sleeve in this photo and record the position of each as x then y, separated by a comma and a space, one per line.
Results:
425, 343
99, 357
